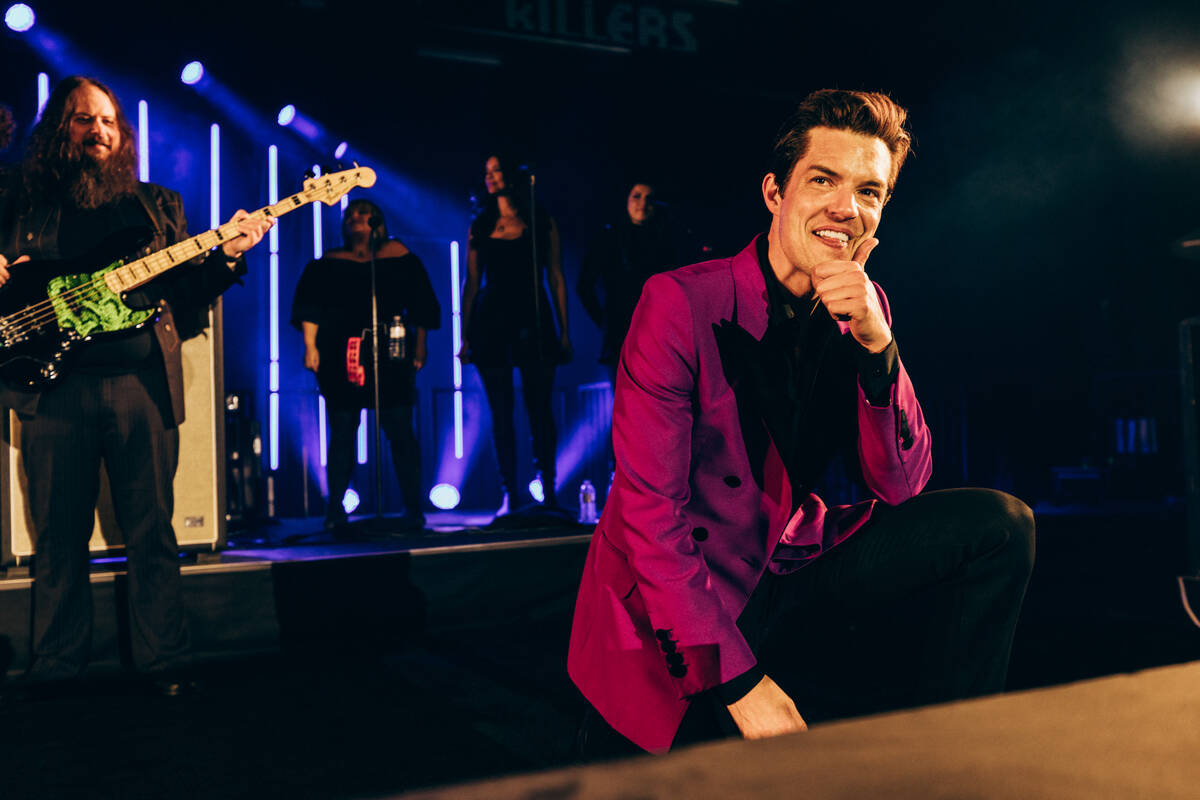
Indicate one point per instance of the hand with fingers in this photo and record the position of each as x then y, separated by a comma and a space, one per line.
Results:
849, 295
5, 264
250, 230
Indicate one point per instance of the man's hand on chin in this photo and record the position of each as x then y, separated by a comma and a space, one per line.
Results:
766, 711
848, 294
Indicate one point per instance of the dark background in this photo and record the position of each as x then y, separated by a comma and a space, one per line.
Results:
1027, 252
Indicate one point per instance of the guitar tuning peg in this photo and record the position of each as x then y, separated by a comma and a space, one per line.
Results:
309, 174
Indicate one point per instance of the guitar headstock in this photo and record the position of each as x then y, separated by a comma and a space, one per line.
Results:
330, 188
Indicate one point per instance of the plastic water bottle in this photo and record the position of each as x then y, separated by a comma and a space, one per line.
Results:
587, 503
396, 339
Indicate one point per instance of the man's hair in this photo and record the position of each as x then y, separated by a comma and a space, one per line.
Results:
48, 163
869, 113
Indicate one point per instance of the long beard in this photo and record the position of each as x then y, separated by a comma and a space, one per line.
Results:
90, 184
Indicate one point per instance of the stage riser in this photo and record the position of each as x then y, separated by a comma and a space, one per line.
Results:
329, 607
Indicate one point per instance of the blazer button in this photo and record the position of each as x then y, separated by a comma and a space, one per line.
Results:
678, 672
675, 659
667, 646
663, 633
700, 533
733, 481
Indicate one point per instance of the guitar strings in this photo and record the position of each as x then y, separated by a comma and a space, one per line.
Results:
37, 315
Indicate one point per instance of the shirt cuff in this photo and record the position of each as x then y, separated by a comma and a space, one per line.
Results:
877, 372
736, 688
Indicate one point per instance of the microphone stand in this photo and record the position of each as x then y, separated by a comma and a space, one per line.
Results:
374, 242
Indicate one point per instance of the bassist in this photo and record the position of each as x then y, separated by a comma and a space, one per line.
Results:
122, 401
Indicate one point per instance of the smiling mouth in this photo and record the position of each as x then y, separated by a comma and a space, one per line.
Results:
833, 236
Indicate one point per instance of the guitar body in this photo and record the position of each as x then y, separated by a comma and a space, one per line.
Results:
49, 308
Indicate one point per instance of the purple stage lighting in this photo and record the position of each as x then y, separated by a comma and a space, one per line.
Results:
192, 73
340, 150
19, 17
445, 496
287, 114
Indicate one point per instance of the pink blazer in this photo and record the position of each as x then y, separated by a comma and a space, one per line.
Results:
687, 531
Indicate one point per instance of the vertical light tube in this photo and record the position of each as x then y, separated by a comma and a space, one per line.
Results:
143, 141
324, 434
362, 437
318, 237
456, 338
318, 251
345, 202
273, 301
214, 176
43, 92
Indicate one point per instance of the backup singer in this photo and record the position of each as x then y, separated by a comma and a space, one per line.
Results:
738, 380
513, 248
122, 402
332, 307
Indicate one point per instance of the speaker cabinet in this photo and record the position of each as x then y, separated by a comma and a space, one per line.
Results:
199, 518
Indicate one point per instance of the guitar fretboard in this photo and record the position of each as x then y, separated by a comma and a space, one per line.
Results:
327, 188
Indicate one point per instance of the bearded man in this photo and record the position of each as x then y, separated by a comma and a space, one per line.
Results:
121, 401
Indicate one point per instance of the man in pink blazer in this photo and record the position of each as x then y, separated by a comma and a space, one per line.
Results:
738, 380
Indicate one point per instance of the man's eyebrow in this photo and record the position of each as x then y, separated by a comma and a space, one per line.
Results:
835, 174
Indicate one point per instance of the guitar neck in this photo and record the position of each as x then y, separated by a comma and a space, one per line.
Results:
140, 272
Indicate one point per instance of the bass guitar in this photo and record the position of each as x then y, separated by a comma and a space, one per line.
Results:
47, 310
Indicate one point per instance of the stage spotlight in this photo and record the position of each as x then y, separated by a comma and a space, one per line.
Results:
535, 489
340, 150
287, 114
350, 501
192, 73
19, 17
445, 496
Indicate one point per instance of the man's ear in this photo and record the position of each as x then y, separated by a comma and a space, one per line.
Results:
772, 195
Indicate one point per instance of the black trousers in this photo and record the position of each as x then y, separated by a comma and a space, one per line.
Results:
537, 385
124, 422
397, 424
934, 584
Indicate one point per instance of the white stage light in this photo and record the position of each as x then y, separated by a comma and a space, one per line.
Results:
192, 73
445, 496
19, 17
286, 114
535, 489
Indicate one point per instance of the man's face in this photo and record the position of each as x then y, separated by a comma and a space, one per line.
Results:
92, 125
833, 199
640, 203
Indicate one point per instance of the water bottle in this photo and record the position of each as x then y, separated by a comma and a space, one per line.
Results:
396, 339
587, 503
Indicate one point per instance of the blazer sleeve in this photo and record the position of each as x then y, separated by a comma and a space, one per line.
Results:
652, 435
893, 440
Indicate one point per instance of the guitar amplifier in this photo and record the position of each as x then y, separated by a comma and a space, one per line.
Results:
199, 518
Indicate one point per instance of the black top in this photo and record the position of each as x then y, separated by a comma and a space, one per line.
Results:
504, 328
615, 268
335, 294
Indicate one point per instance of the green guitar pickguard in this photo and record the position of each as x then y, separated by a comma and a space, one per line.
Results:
94, 308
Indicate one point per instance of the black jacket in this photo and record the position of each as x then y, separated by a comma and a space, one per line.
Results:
184, 293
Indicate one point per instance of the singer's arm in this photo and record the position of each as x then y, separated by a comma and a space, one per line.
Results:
312, 358
419, 353
558, 285
468, 297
